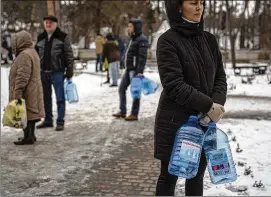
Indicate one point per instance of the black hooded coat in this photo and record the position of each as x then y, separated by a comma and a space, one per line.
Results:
192, 75
135, 55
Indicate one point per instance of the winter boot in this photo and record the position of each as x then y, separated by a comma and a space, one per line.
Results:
59, 128
27, 139
34, 138
119, 115
44, 125
108, 81
131, 118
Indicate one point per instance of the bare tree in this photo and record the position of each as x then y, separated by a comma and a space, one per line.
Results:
234, 25
58, 12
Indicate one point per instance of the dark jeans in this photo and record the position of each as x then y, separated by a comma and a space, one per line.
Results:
193, 187
99, 64
57, 80
124, 84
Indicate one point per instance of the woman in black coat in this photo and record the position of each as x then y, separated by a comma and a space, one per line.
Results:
194, 81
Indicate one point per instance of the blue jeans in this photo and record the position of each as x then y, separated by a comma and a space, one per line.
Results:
114, 69
99, 63
124, 84
57, 80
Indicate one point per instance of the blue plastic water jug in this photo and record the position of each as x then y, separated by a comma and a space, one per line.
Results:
148, 86
186, 152
221, 166
71, 94
136, 85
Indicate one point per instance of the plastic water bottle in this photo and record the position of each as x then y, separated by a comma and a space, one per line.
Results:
71, 92
221, 166
136, 85
186, 152
148, 86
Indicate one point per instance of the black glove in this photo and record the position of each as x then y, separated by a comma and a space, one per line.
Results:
69, 74
67, 77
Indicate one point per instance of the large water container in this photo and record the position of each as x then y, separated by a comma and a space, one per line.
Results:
136, 85
148, 86
186, 152
217, 149
71, 94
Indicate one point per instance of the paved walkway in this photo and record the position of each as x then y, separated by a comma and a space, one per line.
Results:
95, 155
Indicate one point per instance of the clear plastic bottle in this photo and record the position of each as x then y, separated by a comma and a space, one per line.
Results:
71, 92
186, 152
136, 85
148, 86
217, 149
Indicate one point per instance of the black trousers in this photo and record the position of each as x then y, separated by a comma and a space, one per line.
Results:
193, 187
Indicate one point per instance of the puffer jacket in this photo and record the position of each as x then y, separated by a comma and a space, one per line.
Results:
24, 78
111, 51
135, 55
56, 54
192, 75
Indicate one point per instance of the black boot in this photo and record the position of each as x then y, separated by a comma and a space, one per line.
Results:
34, 138
28, 137
44, 125
108, 81
33, 134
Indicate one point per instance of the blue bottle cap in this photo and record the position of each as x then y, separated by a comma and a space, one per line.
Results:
194, 118
212, 125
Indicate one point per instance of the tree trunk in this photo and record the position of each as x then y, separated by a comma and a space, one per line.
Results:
33, 14
233, 55
87, 40
58, 12
98, 14
210, 15
242, 37
158, 7
50, 7
231, 34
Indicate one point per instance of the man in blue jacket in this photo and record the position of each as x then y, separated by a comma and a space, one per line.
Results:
134, 60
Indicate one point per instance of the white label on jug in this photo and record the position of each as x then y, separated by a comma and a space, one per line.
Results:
219, 162
190, 151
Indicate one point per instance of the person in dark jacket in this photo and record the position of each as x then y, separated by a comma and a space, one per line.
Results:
194, 81
9, 51
134, 60
111, 52
56, 56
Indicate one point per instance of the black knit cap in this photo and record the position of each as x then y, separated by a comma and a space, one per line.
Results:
50, 17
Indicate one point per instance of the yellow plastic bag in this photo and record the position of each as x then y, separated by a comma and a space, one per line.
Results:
15, 114
106, 64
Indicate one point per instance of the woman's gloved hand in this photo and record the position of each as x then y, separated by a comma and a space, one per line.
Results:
216, 112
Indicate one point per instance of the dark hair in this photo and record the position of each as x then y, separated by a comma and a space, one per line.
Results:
109, 36
181, 2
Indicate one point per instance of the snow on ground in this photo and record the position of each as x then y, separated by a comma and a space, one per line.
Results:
254, 138
88, 88
259, 86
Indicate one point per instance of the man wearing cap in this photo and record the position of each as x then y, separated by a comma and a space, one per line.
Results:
56, 56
